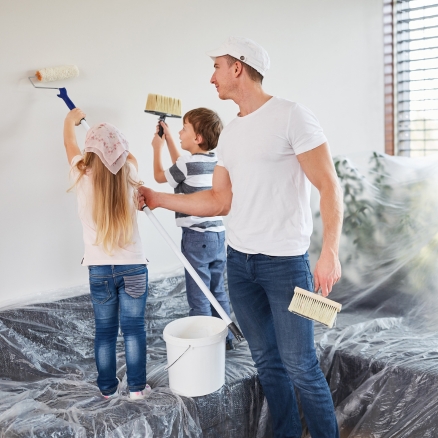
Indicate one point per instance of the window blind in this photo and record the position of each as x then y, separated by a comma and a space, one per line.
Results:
416, 78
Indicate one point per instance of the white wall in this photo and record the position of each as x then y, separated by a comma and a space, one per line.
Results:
326, 55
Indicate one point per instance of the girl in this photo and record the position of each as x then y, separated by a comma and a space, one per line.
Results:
106, 182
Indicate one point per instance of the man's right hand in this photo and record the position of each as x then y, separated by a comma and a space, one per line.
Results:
149, 196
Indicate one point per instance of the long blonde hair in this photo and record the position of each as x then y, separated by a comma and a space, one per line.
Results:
113, 210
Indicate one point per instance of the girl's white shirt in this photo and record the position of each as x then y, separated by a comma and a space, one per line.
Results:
94, 254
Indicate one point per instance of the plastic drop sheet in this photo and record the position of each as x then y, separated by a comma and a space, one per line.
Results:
48, 374
381, 358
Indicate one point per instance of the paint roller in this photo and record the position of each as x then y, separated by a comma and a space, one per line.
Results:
51, 74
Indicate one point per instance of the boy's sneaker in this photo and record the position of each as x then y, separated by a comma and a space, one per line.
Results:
114, 394
140, 395
229, 345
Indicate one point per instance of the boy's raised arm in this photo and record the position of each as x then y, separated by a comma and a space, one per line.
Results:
157, 144
173, 150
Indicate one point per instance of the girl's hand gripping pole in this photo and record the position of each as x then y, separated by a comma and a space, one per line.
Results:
63, 95
234, 329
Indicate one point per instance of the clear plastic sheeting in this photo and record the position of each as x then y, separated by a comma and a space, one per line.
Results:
389, 244
383, 376
48, 374
381, 359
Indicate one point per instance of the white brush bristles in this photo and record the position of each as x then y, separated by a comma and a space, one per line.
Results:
59, 73
163, 104
313, 306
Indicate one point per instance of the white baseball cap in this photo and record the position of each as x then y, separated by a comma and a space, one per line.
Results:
245, 50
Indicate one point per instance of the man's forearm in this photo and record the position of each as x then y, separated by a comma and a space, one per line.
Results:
331, 206
207, 203
203, 204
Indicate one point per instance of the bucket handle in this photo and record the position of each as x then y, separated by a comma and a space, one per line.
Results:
171, 365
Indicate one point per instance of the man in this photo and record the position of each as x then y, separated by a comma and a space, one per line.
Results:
267, 158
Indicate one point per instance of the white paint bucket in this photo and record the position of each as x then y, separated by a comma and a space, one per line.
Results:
196, 355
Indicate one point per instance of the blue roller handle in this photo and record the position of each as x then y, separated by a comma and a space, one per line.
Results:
63, 95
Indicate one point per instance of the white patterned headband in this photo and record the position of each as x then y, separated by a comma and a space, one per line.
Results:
109, 144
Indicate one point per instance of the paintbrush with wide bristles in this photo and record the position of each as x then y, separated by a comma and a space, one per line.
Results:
314, 306
163, 106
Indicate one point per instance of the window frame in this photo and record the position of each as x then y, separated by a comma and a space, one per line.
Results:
403, 80
389, 83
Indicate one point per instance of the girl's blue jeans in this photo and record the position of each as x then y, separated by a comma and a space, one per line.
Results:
281, 343
119, 290
206, 253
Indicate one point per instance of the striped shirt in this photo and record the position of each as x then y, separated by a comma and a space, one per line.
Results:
191, 174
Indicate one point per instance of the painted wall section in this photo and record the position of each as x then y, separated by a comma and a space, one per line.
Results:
326, 55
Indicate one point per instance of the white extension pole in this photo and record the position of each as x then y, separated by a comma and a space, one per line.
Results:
188, 266
85, 124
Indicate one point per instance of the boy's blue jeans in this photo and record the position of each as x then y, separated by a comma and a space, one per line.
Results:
206, 253
281, 343
119, 289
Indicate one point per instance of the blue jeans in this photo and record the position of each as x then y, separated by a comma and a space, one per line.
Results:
206, 253
121, 288
281, 343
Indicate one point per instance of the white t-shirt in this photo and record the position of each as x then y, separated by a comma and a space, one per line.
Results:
94, 254
270, 211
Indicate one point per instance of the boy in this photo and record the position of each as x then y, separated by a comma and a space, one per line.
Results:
203, 238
